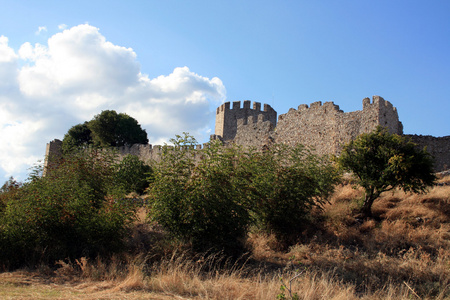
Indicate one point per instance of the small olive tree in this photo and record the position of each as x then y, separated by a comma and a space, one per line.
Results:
382, 162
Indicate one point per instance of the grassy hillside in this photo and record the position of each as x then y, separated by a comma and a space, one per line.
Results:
403, 253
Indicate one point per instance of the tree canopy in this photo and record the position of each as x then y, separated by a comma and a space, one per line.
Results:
106, 129
382, 162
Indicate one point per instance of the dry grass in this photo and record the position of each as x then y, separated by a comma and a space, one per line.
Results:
404, 253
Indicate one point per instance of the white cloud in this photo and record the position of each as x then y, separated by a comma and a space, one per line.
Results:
62, 26
76, 76
41, 29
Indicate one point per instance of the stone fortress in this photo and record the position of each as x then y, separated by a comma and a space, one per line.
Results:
324, 127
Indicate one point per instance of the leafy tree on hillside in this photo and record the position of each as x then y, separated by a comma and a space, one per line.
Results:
112, 129
200, 203
106, 129
78, 136
382, 162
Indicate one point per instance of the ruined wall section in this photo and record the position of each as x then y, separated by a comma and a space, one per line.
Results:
379, 112
53, 152
438, 147
326, 128
254, 132
314, 126
147, 153
227, 118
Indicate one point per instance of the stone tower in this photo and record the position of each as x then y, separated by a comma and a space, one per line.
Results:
380, 112
227, 118
53, 152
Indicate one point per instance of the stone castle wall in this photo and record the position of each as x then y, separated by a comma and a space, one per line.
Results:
438, 147
146, 152
324, 127
327, 128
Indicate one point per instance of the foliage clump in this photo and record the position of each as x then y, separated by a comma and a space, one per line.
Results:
71, 212
383, 162
285, 184
107, 129
212, 202
132, 175
200, 203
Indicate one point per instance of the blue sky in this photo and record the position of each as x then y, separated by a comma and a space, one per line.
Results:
170, 63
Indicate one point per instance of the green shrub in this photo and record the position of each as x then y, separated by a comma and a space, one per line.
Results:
201, 203
69, 213
132, 175
286, 183
211, 202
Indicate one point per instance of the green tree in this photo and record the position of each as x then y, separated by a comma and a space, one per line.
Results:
112, 129
382, 162
79, 136
107, 129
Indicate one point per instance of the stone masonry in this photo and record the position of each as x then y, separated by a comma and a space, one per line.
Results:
227, 118
323, 127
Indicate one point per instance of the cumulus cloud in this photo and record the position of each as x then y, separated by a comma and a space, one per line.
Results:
46, 89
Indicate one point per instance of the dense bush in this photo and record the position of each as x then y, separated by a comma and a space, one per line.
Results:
285, 184
8, 191
132, 175
211, 202
200, 203
66, 214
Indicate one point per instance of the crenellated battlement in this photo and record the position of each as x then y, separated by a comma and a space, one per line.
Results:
327, 107
237, 107
229, 118
378, 102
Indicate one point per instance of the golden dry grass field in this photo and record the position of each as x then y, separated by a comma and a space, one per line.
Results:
403, 253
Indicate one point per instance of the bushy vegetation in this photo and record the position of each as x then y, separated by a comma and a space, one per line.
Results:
285, 184
227, 199
212, 202
204, 203
69, 213
132, 175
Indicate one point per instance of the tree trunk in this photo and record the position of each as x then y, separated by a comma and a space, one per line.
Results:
367, 206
